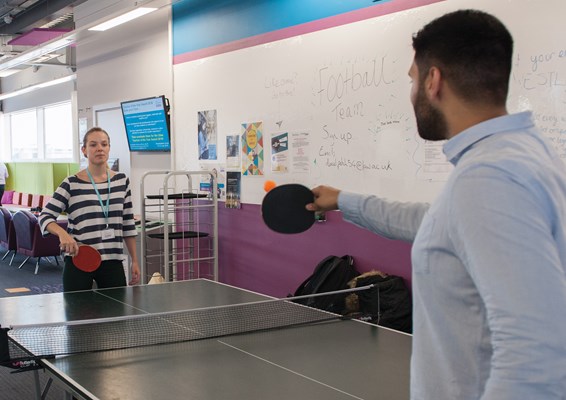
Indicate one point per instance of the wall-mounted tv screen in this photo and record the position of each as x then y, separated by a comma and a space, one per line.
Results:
147, 124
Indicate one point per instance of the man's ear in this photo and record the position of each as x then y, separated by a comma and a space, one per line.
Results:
433, 84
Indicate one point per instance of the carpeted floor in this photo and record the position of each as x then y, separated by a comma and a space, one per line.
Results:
16, 281
23, 282
22, 385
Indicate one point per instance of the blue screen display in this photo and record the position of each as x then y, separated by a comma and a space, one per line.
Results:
147, 126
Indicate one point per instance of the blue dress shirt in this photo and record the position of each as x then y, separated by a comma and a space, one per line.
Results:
489, 267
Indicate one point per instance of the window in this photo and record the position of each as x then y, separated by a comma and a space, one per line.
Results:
44, 133
58, 131
24, 135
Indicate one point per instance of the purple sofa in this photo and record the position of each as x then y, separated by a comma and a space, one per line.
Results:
29, 240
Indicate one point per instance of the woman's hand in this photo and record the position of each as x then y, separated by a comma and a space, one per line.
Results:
135, 273
67, 244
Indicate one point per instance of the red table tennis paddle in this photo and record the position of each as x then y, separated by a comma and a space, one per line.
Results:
88, 259
283, 208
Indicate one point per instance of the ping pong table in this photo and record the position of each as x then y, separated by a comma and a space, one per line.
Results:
340, 359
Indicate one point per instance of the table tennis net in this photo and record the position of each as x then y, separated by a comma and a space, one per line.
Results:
41, 341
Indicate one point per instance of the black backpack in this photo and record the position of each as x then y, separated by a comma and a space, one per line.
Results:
332, 273
387, 304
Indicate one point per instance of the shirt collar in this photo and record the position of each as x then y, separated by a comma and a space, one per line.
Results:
458, 144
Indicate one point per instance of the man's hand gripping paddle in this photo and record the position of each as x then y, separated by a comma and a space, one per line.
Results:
283, 208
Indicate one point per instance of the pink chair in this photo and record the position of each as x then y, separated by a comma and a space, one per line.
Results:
45, 200
8, 197
25, 200
17, 198
36, 201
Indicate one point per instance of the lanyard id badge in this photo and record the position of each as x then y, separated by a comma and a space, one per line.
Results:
107, 233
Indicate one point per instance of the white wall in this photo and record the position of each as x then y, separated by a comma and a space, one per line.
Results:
124, 63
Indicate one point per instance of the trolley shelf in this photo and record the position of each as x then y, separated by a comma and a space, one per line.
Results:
179, 235
187, 216
176, 196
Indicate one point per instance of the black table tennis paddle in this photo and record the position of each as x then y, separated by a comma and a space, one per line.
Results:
283, 208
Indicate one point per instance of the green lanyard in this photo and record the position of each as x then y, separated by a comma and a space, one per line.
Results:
106, 208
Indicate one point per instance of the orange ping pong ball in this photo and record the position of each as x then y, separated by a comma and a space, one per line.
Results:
268, 185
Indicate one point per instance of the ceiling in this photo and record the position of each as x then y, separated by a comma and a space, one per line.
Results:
25, 24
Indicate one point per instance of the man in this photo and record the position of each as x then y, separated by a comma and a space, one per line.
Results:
489, 255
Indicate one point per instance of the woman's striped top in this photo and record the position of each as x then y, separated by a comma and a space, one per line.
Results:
86, 220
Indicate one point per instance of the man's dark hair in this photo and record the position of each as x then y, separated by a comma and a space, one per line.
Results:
473, 51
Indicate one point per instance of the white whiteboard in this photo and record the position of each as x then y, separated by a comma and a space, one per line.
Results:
348, 89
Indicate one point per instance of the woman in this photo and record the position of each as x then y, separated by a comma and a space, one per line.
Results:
3, 176
99, 209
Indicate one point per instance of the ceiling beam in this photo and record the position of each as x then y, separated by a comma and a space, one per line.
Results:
27, 19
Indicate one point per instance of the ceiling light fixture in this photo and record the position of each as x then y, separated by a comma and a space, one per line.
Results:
29, 56
138, 12
42, 85
46, 48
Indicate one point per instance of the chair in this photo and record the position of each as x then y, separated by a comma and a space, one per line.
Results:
17, 198
29, 240
7, 233
25, 200
7, 197
45, 200
36, 200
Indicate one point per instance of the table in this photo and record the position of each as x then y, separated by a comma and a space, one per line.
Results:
342, 359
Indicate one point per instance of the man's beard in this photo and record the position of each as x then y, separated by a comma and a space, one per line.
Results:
431, 124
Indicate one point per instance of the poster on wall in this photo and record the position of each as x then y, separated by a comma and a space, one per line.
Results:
280, 152
232, 151
233, 189
207, 135
205, 184
252, 148
301, 149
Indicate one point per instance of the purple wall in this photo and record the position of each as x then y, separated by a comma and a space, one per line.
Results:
253, 257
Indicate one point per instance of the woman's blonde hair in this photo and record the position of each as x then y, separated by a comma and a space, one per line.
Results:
92, 130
